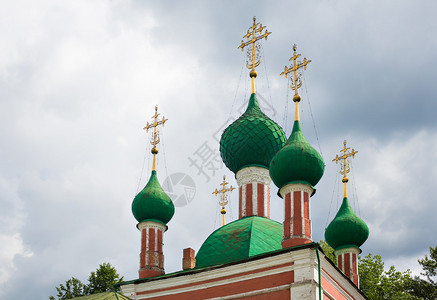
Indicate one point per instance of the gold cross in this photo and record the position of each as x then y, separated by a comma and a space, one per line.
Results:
296, 81
223, 201
252, 38
155, 134
345, 167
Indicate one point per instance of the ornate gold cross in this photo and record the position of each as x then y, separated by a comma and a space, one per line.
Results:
345, 167
223, 201
155, 134
252, 38
296, 81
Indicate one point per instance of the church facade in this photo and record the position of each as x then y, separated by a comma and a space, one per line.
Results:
300, 272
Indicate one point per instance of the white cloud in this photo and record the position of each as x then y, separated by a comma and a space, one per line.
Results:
12, 245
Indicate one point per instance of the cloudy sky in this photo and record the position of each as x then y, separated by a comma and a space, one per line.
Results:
80, 79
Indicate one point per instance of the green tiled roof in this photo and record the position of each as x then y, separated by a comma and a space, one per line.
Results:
347, 229
152, 203
297, 161
103, 296
239, 240
252, 140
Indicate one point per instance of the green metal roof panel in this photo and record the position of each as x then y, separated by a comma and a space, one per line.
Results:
239, 240
103, 296
253, 139
153, 203
297, 161
347, 229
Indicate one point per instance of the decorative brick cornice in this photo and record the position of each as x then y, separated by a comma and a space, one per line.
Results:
348, 250
253, 174
295, 187
151, 224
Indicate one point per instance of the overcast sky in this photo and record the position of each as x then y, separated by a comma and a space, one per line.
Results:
80, 79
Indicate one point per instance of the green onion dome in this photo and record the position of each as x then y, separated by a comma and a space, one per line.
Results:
347, 229
297, 161
152, 203
239, 240
252, 140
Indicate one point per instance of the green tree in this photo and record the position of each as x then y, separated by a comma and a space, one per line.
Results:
329, 252
103, 279
73, 288
429, 265
371, 270
378, 284
426, 289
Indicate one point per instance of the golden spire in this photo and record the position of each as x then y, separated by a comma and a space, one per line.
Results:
155, 135
345, 168
296, 81
252, 38
223, 201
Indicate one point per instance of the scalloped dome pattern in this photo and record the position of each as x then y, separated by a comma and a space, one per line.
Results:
252, 140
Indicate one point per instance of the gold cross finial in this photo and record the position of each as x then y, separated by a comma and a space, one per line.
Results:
296, 81
345, 168
155, 134
223, 200
252, 38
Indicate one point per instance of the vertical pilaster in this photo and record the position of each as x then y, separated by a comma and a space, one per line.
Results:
347, 262
151, 255
254, 192
297, 217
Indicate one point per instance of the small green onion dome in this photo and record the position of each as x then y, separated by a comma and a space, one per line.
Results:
252, 140
297, 161
152, 203
347, 229
241, 239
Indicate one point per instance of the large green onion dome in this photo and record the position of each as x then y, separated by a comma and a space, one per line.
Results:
252, 140
239, 240
297, 161
347, 229
152, 203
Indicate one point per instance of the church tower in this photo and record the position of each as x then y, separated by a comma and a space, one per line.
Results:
347, 232
295, 170
248, 145
153, 209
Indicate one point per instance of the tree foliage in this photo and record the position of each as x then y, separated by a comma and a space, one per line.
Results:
102, 280
378, 284
73, 288
329, 252
429, 265
426, 289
